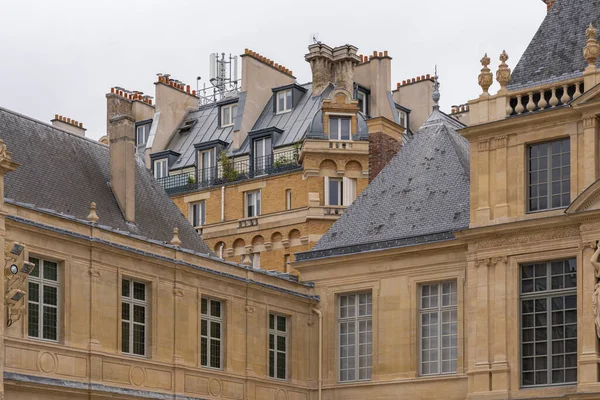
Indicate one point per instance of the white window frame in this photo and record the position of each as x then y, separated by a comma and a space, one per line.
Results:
275, 332
287, 101
340, 118
144, 131
210, 318
256, 198
340, 191
402, 118
365, 99
208, 173
201, 205
42, 282
439, 311
231, 112
132, 302
358, 320
161, 168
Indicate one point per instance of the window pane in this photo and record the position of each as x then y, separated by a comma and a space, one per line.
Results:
215, 308
334, 192
334, 133
288, 100
34, 292
33, 320
36, 270
139, 339
281, 365
139, 314
50, 323
204, 306
281, 101
51, 295
345, 128
50, 271
281, 323
215, 353
125, 337
139, 291
125, 285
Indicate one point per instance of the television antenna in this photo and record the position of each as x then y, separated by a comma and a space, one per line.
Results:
223, 79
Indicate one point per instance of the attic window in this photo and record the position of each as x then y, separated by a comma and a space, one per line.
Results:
228, 113
187, 126
363, 101
284, 101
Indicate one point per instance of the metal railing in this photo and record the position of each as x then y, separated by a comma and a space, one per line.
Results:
232, 171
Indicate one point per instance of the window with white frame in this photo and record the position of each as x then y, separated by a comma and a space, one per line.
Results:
134, 307
43, 300
141, 135
262, 155
340, 191
355, 337
206, 165
288, 199
161, 168
284, 101
363, 99
438, 328
228, 114
278, 346
197, 213
211, 333
252, 206
549, 323
339, 128
402, 118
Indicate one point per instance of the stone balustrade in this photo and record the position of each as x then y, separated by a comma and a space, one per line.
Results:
546, 97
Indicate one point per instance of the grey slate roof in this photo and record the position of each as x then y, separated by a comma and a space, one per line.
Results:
422, 195
62, 173
556, 51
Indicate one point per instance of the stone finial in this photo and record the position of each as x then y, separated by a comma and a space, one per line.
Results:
503, 73
436, 91
486, 78
176, 241
247, 260
93, 216
591, 51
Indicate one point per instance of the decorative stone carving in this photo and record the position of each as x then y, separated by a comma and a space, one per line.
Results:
591, 50
496, 260
534, 235
93, 216
503, 73
486, 78
596, 295
176, 241
485, 262
483, 145
4, 153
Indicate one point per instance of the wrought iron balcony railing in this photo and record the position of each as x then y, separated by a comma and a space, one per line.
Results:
231, 171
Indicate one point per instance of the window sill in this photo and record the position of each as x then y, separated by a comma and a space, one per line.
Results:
283, 112
226, 126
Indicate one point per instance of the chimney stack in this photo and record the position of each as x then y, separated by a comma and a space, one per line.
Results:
68, 124
549, 4
332, 65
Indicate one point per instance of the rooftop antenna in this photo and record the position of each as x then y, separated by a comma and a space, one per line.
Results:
314, 38
436, 91
223, 78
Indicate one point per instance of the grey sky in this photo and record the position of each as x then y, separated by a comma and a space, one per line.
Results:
61, 57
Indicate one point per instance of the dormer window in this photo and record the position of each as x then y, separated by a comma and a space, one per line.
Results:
402, 118
161, 168
363, 101
339, 128
284, 101
142, 131
228, 113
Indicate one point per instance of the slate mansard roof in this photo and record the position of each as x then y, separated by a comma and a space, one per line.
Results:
556, 51
421, 196
61, 173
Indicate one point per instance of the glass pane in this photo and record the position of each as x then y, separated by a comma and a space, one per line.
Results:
125, 288
334, 133
271, 321
272, 364
204, 351
281, 101
204, 306
215, 330
281, 323
50, 271
334, 192
33, 320
281, 365
345, 128
215, 353
50, 295
288, 100
36, 270
139, 314
125, 337
125, 312
34, 292
139, 291
215, 308
139, 339
281, 343
50, 323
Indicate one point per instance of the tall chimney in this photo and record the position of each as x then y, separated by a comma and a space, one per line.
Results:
122, 162
320, 57
344, 61
549, 4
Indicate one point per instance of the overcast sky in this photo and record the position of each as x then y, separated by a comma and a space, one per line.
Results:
62, 57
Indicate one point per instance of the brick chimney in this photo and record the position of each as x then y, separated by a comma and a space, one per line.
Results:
68, 124
259, 76
332, 65
121, 135
416, 95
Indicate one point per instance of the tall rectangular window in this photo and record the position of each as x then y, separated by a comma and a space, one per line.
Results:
206, 165
549, 323
363, 98
278, 345
438, 328
284, 101
288, 199
263, 155
228, 114
549, 175
211, 333
134, 305
43, 301
141, 135
402, 118
161, 168
335, 191
252, 206
197, 213
339, 128
356, 338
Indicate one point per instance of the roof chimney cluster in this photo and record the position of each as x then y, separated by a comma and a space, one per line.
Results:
376, 54
414, 80
68, 121
462, 108
131, 95
174, 83
268, 61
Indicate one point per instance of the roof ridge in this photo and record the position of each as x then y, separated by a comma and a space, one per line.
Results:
37, 121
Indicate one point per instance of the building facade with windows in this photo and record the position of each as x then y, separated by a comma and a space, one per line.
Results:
468, 268
264, 170
127, 302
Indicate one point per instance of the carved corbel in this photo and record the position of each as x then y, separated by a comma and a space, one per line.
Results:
483, 145
496, 260
285, 243
230, 252
268, 246
485, 262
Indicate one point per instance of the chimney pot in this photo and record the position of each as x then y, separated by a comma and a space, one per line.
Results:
398, 85
55, 116
68, 120
385, 53
194, 92
422, 77
112, 89
374, 53
187, 88
418, 79
428, 76
380, 54
149, 101
81, 124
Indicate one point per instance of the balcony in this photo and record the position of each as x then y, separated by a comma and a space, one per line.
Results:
229, 171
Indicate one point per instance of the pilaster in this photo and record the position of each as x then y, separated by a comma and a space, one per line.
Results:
500, 367
480, 370
483, 214
590, 138
501, 206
